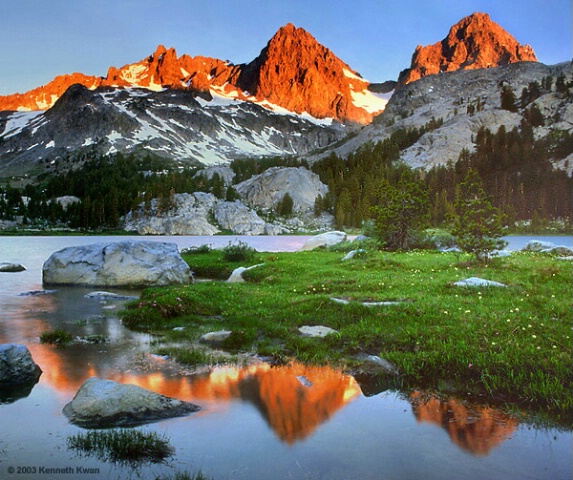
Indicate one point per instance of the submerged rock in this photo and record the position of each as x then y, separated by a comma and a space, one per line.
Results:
105, 403
126, 263
11, 267
109, 296
17, 366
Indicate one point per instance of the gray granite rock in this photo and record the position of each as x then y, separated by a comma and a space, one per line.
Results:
105, 403
125, 263
17, 366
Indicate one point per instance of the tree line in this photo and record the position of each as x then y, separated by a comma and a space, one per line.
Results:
515, 168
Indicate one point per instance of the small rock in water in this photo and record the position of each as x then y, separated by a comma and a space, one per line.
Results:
109, 296
34, 293
105, 403
17, 366
11, 267
304, 381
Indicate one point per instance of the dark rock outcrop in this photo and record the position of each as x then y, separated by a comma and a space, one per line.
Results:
17, 366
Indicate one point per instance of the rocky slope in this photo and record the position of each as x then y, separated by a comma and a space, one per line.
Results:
177, 125
293, 72
204, 214
474, 42
465, 100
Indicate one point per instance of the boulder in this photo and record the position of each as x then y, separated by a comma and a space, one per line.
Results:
353, 253
11, 267
375, 365
105, 403
237, 275
215, 338
239, 219
538, 246
268, 189
324, 240
560, 250
188, 214
316, 331
125, 263
17, 366
478, 282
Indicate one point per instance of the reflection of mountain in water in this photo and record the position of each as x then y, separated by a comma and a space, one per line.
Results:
476, 429
295, 400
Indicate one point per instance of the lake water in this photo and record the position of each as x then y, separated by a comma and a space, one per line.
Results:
256, 422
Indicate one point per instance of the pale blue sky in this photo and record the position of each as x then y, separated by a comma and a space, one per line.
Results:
40, 39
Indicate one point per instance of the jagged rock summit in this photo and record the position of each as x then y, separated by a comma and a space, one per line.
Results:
474, 42
298, 73
293, 72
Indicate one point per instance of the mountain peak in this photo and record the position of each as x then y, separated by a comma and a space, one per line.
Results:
294, 72
300, 74
476, 41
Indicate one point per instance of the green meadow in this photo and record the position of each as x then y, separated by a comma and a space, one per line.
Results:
509, 346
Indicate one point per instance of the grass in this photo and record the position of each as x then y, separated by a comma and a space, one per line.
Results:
122, 445
511, 345
57, 337
185, 475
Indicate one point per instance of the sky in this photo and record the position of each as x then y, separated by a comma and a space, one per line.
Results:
40, 39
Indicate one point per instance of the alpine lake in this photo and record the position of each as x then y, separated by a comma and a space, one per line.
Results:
256, 421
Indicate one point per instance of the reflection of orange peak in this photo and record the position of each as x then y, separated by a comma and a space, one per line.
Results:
294, 407
477, 429
294, 400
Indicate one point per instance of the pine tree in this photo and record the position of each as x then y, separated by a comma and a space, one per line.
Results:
477, 224
402, 211
285, 205
508, 99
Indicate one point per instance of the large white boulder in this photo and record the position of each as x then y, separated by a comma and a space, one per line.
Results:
105, 403
126, 263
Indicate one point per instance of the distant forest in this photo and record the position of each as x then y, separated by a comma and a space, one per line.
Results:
515, 168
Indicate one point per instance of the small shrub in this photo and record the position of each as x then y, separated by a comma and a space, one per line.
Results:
57, 337
238, 340
238, 252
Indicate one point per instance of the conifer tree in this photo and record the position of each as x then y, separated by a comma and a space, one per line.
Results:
477, 224
402, 211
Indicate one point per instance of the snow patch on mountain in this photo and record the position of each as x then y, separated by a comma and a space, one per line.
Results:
17, 121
